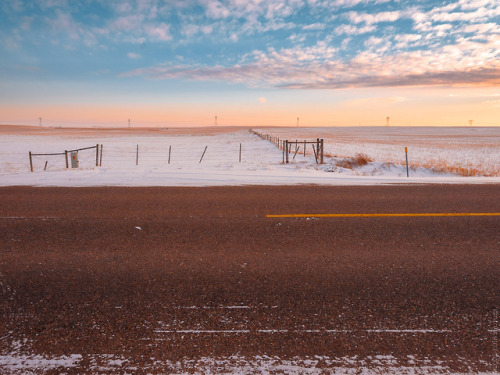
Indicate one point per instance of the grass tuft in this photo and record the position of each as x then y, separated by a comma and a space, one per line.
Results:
358, 160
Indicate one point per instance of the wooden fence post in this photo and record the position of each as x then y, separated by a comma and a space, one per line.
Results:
137, 156
240, 152
286, 147
322, 151
100, 158
169, 153
66, 155
203, 154
46, 162
31, 163
97, 155
407, 170
304, 148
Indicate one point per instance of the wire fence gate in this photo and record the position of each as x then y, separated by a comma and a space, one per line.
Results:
290, 147
76, 158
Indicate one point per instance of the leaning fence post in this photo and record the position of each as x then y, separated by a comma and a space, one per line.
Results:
315, 154
46, 162
31, 163
203, 154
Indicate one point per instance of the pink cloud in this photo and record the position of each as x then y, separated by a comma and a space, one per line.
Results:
464, 63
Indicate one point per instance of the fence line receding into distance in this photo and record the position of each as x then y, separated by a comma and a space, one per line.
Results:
293, 147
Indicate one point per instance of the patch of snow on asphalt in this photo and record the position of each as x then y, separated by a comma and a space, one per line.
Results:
386, 364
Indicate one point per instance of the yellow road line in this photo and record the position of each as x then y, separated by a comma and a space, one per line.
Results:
392, 215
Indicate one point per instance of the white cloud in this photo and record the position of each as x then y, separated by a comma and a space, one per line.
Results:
483, 28
133, 55
408, 37
464, 63
354, 30
215, 9
314, 26
262, 100
159, 32
373, 41
370, 19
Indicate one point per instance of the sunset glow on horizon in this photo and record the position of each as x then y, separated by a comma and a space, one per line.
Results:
250, 63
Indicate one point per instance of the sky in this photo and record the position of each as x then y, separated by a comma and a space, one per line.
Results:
250, 62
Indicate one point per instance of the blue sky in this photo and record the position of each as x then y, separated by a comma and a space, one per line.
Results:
152, 59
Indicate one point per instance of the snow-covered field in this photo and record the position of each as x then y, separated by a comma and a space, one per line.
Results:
462, 151
436, 155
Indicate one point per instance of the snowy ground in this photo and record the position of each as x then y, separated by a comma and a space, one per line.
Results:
371, 365
436, 155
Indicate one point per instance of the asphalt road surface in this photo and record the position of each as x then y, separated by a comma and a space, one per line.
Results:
155, 274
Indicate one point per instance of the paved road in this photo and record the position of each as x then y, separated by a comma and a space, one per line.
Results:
167, 273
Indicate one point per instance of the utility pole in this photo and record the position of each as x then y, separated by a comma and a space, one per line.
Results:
297, 121
215, 120
387, 121
129, 123
40, 121
470, 122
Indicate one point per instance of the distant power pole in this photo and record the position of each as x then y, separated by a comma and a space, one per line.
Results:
129, 123
470, 122
215, 120
387, 121
40, 121
297, 121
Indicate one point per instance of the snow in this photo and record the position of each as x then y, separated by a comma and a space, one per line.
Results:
386, 364
261, 161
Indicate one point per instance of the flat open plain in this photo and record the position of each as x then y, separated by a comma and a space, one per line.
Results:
173, 279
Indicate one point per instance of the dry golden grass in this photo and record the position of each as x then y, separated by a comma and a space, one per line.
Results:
356, 161
443, 167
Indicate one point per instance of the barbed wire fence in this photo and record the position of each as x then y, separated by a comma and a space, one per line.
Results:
152, 155
85, 157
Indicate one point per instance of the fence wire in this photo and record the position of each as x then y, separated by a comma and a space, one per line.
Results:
247, 151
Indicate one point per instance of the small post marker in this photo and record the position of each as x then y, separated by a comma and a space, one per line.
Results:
137, 156
407, 171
